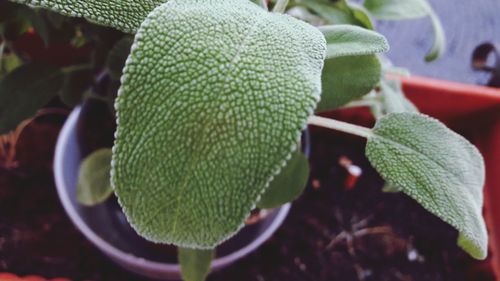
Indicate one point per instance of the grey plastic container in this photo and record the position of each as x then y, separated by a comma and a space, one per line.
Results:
107, 228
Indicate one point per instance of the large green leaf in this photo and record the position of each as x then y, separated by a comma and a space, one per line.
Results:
125, 15
348, 78
93, 185
213, 100
435, 166
289, 184
195, 264
350, 40
26, 89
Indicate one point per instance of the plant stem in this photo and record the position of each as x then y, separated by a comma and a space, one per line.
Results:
340, 126
280, 6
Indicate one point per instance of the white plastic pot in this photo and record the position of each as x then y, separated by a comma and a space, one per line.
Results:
107, 228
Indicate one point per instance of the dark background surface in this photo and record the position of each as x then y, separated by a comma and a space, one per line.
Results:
466, 24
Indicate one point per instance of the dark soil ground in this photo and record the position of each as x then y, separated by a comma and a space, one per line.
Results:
333, 232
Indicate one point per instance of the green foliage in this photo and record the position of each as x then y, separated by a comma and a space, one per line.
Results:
124, 15
195, 264
394, 100
349, 40
410, 9
346, 79
352, 69
288, 185
338, 12
435, 166
213, 100
117, 56
26, 89
215, 94
93, 185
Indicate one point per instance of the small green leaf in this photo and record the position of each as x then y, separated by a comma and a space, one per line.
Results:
394, 100
93, 185
361, 14
75, 84
213, 100
349, 40
397, 9
346, 79
195, 264
439, 46
333, 13
117, 56
123, 15
410, 9
25, 90
438, 168
288, 185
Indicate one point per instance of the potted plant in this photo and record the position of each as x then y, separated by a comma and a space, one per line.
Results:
212, 101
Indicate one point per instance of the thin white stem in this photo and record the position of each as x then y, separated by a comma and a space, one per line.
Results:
340, 126
280, 6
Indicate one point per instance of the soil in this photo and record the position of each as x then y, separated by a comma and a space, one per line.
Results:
342, 228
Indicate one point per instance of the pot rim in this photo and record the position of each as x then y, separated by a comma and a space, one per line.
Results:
118, 254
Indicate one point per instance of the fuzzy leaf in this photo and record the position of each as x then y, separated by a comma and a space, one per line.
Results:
25, 90
214, 97
125, 15
410, 9
349, 40
288, 185
195, 264
394, 100
397, 9
346, 79
93, 179
438, 168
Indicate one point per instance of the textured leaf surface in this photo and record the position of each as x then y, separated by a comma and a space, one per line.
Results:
93, 185
288, 185
438, 168
125, 15
25, 90
213, 100
348, 78
195, 264
349, 40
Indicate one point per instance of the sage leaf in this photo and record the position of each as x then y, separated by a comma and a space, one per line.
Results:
117, 56
123, 15
93, 185
195, 264
349, 40
289, 184
213, 100
410, 9
397, 9
438, 168
25, 90
339, 12
348, 78
394, 100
